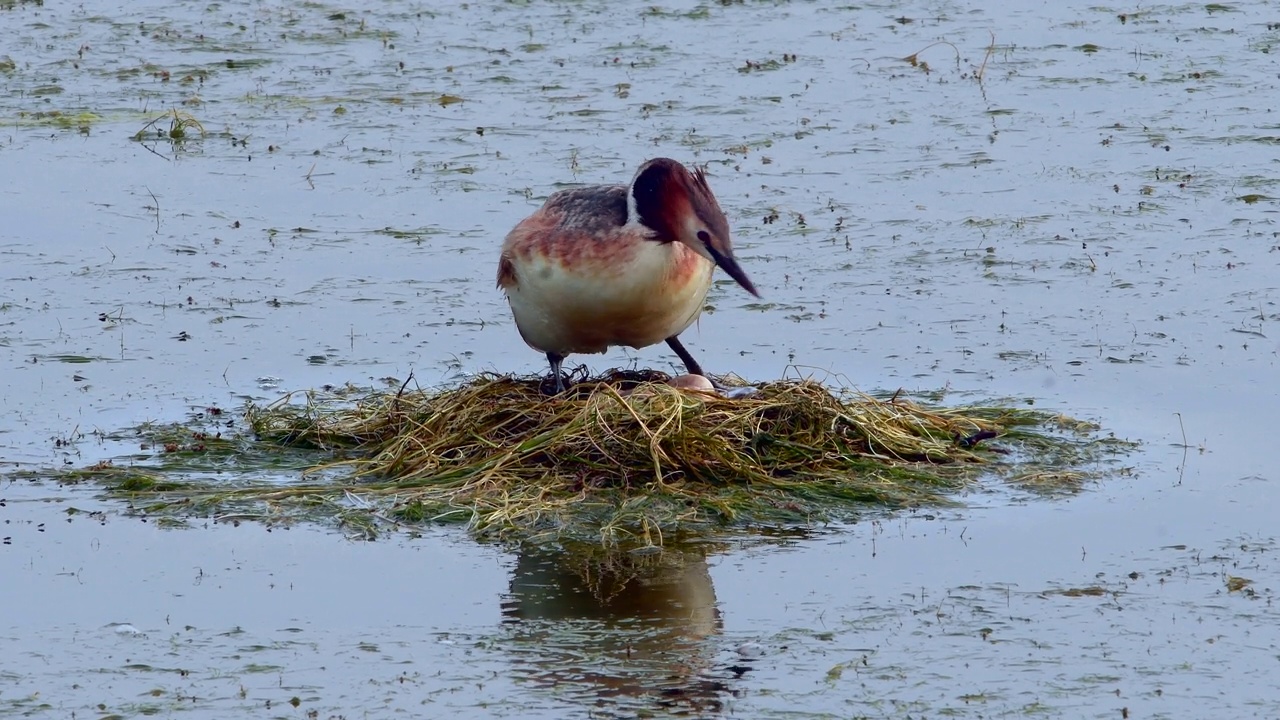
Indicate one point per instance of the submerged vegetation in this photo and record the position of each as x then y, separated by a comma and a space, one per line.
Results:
180, 126
622, 458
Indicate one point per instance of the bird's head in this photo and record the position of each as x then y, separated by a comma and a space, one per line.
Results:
678, 206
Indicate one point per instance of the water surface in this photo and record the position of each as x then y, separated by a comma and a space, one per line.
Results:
1067, 204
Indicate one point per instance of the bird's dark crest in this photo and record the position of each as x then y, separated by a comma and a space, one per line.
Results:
506, 272
700, 175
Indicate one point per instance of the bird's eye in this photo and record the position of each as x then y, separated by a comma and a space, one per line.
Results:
704, 236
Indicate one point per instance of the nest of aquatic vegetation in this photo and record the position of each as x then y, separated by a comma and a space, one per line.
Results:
626, 457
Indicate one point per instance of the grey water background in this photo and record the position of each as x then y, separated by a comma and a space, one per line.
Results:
1090, 227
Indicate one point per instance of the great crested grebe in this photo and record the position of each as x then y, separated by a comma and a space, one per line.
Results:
609, 265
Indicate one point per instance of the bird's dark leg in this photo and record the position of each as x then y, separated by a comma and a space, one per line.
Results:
555, 361
691, 366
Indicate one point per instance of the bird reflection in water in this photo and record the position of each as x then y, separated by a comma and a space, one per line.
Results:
629, 630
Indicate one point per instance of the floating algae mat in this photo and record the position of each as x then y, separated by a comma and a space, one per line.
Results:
621, 458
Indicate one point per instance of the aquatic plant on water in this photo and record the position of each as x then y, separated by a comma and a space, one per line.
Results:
626, 458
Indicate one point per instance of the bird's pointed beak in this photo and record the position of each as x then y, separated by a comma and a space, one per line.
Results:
727, 263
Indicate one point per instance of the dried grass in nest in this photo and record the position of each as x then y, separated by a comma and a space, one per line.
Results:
625, 456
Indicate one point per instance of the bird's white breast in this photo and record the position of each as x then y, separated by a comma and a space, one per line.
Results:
642, 297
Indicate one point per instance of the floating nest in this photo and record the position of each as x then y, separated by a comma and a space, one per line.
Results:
623, 458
